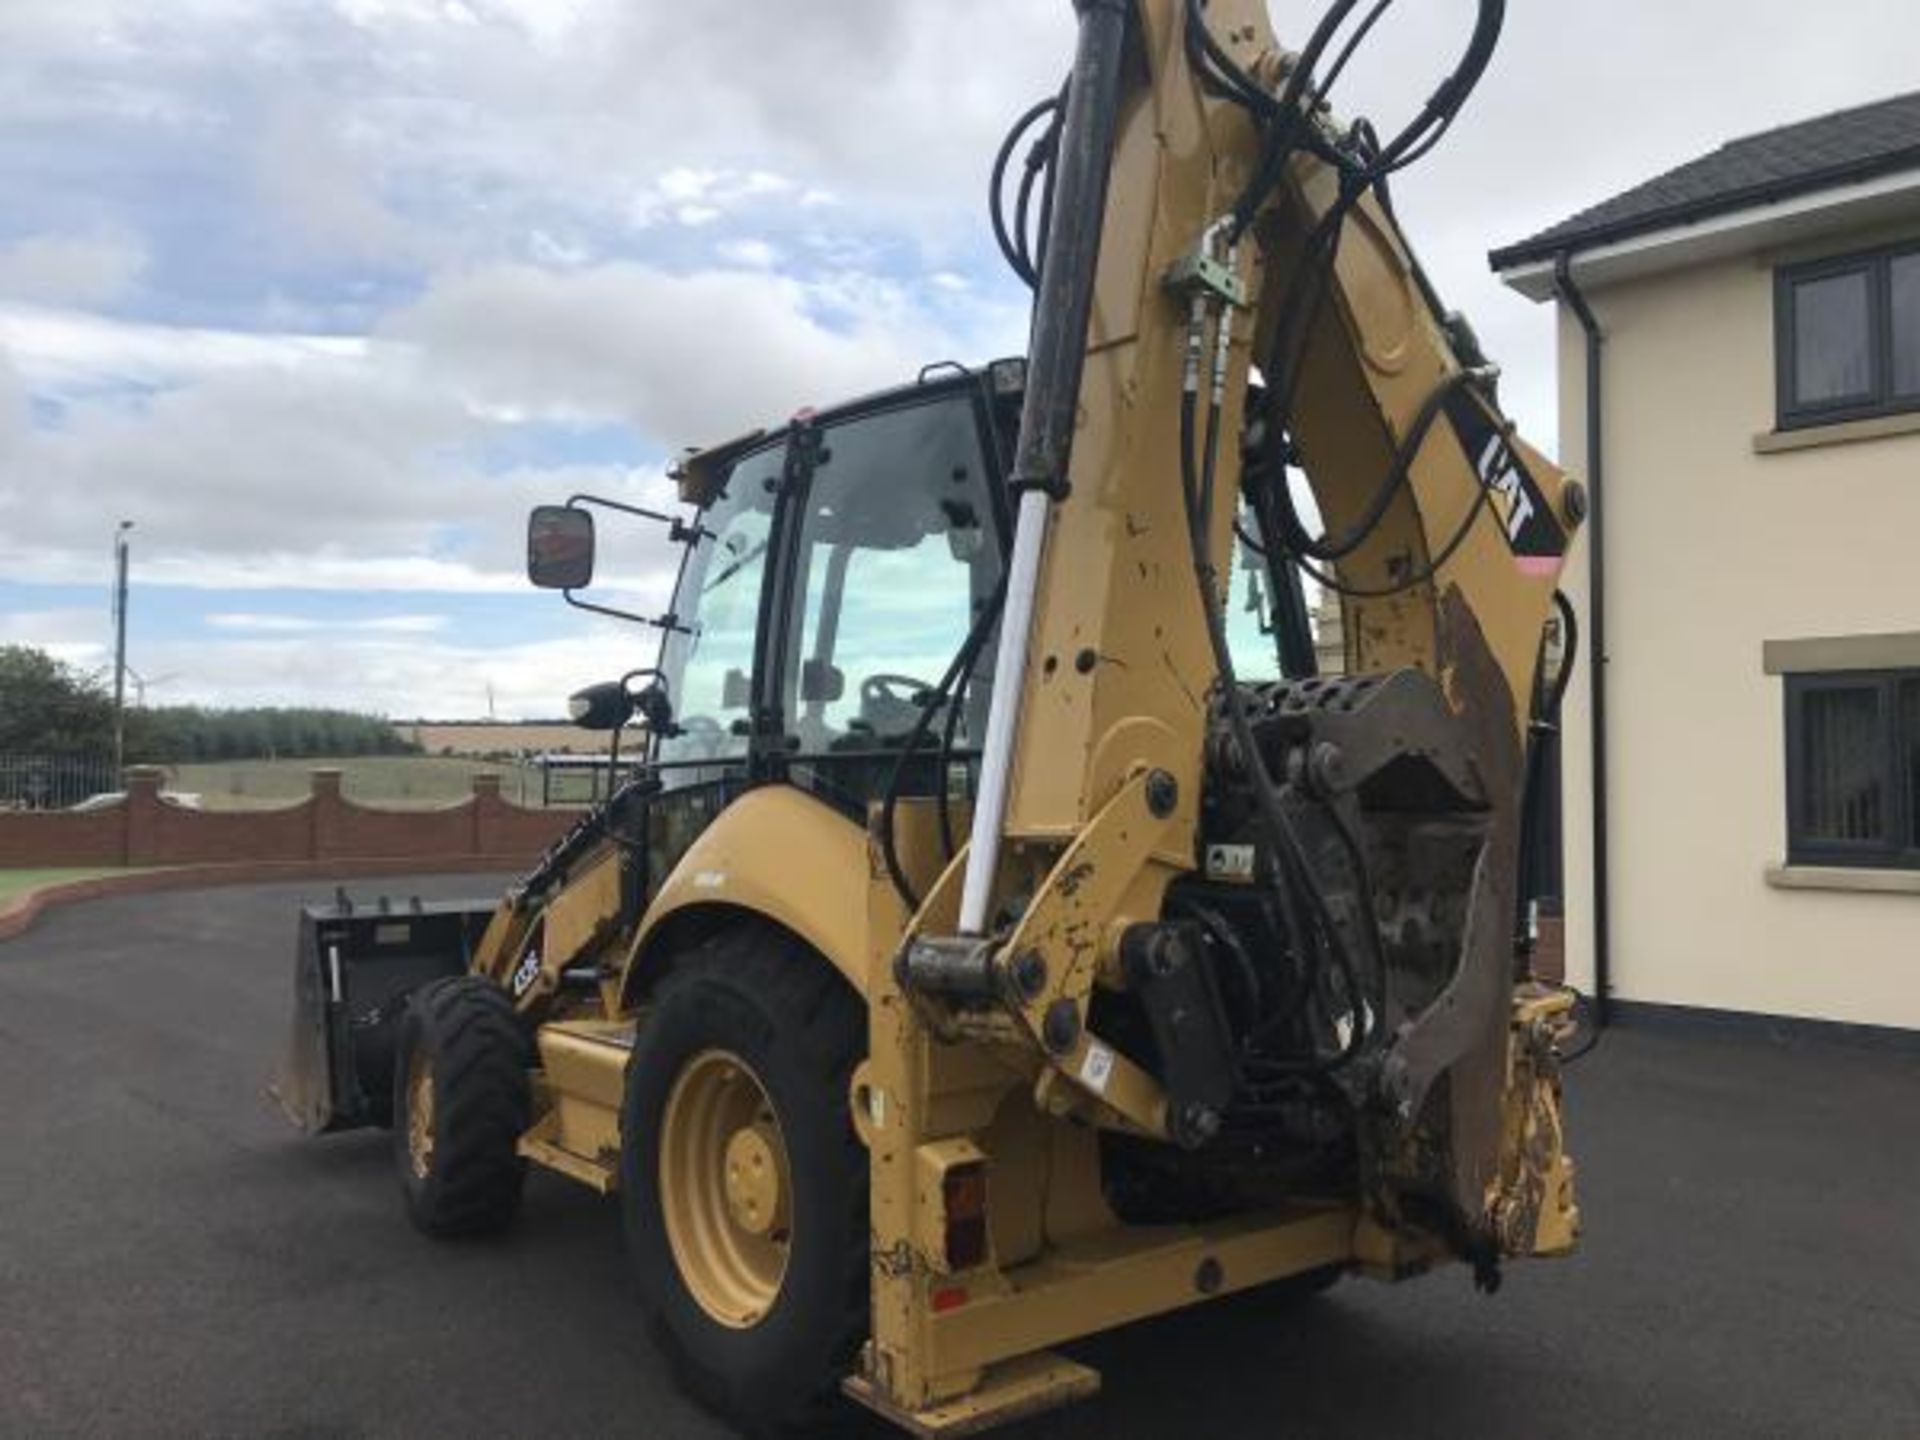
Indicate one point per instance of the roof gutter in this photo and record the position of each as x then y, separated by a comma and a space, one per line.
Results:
1551, 246
1597, 627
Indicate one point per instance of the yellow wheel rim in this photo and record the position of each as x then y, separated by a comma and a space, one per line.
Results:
420, 1114
726, 1188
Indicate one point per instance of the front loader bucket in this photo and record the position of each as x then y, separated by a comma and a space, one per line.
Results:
353, 971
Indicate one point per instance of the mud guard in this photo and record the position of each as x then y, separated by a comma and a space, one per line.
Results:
353, 970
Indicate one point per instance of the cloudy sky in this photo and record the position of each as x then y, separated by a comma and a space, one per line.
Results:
323, 294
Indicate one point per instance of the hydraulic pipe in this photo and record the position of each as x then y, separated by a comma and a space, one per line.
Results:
1056, 356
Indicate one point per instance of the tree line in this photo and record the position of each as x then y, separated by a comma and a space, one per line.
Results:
51, 708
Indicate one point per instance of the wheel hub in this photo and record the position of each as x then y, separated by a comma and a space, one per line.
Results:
420, 1116
725, 1188
755, 1200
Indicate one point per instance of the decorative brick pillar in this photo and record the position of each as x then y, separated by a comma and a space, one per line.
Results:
1550, 949
142, 814
324, 787
486, 805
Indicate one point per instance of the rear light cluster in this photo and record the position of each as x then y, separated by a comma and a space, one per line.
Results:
963, 1196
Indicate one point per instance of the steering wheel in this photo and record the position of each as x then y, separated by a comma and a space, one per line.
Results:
893, 689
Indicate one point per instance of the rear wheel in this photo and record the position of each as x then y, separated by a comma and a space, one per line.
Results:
460, 1104
743, 1186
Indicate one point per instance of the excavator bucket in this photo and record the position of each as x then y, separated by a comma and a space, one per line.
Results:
353, 971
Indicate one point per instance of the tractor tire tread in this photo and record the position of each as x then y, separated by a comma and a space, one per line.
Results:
822, 1019
482, 1105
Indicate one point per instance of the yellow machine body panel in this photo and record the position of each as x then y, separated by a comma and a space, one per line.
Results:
779, 854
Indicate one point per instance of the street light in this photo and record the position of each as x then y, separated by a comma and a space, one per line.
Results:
120, 546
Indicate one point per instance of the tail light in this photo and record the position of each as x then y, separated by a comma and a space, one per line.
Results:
963, 1196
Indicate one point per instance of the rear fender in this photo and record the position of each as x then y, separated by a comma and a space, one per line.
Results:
776, 853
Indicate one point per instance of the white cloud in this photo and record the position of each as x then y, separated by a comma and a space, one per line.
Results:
681, 183
696, 197
261, 462
62, 349
320, 178
549, 249
330, 156
270, 623
688, 358
13, 406
71, 269
406, 676
76, 636
755, 254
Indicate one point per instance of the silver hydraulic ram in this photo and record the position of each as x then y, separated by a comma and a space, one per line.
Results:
1063, 302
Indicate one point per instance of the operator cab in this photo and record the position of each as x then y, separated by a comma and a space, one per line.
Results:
834, 570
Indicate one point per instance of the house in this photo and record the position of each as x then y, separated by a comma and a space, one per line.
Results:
1739, 348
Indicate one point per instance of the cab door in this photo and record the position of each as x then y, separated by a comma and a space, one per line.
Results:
896, 551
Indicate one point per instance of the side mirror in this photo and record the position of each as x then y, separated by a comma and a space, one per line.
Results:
606, 706
560, 548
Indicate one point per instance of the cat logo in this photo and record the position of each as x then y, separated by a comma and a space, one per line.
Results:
1526, 520
527, 971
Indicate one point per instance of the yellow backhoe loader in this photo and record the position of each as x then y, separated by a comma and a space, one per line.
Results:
1004, 933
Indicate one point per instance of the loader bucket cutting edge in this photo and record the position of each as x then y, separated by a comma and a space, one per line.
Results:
354, 967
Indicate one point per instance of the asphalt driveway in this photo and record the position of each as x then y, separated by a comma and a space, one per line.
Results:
174, 1261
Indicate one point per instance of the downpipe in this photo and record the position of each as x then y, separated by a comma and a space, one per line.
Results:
1597, 624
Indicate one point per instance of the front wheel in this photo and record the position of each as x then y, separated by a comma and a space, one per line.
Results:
743, 1186
461, 1101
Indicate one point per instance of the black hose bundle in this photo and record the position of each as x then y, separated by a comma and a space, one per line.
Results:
1292, 122
1024, 238
1289, 123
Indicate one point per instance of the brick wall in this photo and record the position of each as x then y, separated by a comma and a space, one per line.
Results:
148, 829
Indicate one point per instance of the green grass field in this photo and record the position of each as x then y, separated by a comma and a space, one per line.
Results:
395, 782
16, 882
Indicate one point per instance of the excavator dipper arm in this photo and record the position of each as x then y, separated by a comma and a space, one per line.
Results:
1271, 894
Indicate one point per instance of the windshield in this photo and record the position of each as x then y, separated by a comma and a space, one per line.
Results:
709, 670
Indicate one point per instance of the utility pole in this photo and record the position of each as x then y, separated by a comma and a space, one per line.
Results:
120, 650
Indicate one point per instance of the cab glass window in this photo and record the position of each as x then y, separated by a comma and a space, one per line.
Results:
710, 669
897, 554
1251, 617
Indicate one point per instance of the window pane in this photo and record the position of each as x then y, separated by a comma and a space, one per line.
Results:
1250, 614
1832, 358
1910, 756
1906, 324
708, 672
897, 556
1845, 796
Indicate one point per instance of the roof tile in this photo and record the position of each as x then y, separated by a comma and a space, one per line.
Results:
1790, 160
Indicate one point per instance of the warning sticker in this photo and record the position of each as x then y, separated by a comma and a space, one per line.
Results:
1096, 1067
